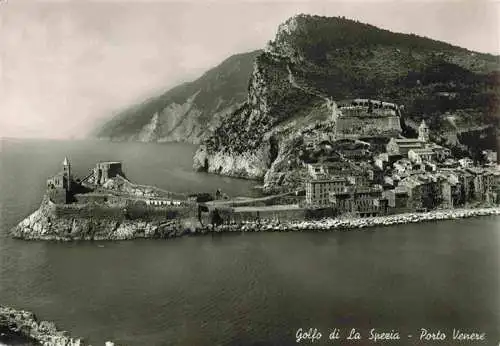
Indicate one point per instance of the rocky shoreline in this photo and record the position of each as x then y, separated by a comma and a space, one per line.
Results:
24, 328
42, 225
330, 224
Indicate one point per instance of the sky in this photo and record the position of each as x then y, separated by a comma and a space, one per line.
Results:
67, 65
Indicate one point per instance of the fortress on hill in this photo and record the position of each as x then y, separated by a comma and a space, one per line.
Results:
63, 186
365, 118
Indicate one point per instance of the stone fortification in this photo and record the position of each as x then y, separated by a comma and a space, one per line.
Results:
352, 127
97, 222
367, 118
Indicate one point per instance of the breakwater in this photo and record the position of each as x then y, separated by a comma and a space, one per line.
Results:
330, 224
24, 326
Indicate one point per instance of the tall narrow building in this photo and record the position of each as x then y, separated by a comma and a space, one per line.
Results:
67, 174
423, 132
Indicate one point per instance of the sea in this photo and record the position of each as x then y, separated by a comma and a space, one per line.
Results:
411, 281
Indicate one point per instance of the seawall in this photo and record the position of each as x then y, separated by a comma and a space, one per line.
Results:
42, 225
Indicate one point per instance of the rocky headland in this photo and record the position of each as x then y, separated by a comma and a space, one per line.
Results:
87, 222
24, 328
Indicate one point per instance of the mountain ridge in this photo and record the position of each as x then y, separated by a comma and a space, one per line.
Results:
183, 112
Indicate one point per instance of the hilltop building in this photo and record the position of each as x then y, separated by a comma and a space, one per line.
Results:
364, 118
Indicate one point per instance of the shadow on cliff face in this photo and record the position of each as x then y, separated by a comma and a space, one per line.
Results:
273, 148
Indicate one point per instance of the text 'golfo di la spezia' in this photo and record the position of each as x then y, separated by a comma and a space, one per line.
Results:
312, 335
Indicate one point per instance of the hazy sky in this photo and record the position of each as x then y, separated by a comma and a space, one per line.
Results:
66, 64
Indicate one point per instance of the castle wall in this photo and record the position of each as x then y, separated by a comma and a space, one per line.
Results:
355, 127
119, 213
57, 195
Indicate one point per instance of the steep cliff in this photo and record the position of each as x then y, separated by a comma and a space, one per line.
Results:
186, 112
314, 60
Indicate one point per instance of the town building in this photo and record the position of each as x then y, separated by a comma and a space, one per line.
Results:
424, 191
318, 189
420, 156
398, 199
401, 146
450, 190
359, 201
466, 162
491, 157
486, 183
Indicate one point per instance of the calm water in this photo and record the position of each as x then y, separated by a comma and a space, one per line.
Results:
244, 289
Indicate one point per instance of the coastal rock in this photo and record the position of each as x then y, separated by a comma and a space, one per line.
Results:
81, 222
250, 165
25, 324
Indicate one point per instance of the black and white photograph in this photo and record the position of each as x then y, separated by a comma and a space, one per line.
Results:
249, 173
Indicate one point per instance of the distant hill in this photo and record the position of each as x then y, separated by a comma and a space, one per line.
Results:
186, 112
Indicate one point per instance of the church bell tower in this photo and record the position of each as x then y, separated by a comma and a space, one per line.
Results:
423, 132
66, 174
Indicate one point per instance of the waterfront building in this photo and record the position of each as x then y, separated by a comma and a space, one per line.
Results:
486, 182
358, 200
424, 191
397, 199
318, 189
467, 185
450, 191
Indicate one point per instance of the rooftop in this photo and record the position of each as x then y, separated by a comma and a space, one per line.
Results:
406, 140
423, 151
110, 162
277, 207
